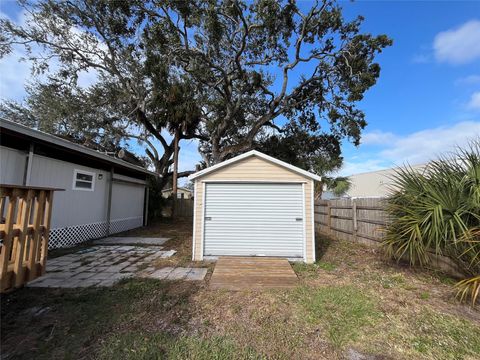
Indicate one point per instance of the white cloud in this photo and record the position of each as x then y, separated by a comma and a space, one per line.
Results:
358, 167
474, 102
421, 59
460, 45
468, 80
377, 137
16, 73
427, 144
415, 148
14, 76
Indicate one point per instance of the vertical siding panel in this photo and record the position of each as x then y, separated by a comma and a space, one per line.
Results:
12, 166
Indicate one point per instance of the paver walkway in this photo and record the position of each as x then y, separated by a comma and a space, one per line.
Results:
131, 241
179, 273
104, 266
238, 273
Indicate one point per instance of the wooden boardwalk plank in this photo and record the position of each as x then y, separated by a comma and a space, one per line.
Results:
239, 273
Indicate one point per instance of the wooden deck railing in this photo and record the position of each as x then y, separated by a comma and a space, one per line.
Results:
25, 214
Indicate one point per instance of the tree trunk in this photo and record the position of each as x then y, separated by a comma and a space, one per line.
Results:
175, 171
318, 190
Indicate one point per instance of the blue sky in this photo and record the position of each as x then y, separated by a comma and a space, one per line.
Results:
427, 98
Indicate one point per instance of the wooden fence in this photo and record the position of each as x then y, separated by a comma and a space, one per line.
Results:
360, 220
25, 214
183, 208
363, 220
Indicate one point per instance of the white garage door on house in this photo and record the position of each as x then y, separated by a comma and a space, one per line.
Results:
254, 219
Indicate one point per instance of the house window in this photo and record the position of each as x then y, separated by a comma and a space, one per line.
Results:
83, 180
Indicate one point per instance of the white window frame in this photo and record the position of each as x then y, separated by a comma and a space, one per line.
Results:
74, 184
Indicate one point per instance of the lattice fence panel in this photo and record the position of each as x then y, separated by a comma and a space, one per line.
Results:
73, 235
120, 225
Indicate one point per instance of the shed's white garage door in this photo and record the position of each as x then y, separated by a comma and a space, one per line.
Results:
254, 219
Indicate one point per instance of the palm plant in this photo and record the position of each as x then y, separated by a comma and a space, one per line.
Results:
337, 185
437, 211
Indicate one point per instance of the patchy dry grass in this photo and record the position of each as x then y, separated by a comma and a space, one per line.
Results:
344, 311
350, 303
137, 345
76, 323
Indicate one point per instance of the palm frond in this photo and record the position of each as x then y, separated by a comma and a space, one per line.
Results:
469, 289
437, 210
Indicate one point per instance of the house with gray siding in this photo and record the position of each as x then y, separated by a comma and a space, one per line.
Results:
102, 194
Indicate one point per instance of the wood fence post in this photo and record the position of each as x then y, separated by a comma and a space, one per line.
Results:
23, 218
7, 240
46, 235
33, 254
329, 217
354, 211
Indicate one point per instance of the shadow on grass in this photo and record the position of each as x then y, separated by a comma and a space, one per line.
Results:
322, 243
85, 323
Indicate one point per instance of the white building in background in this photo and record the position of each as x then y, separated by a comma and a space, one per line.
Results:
375, 183
182, 193
102, 194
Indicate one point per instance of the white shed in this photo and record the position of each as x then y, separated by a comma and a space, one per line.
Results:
103, 195
254, 205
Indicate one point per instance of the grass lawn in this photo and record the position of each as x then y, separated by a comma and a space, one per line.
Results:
351, 303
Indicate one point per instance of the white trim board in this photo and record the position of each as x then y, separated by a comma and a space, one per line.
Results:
255, 181
259, 155
204, 197
304, 225
194, 242
313, 220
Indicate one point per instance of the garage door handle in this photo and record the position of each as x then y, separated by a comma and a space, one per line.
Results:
208, 218
298, 219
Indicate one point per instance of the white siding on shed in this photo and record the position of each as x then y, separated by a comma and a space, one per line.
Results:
254, 219
72, 207
257, 168
127, 205
12, 166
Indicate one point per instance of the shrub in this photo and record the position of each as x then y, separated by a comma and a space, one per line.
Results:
438, 210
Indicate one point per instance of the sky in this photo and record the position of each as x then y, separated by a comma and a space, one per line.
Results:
426, 101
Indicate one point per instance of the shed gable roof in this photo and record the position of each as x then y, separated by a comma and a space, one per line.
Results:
255, 153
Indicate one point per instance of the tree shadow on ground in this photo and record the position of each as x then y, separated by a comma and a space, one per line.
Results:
322, 243
80, 323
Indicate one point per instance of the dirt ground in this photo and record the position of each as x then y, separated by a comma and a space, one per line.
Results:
351, 304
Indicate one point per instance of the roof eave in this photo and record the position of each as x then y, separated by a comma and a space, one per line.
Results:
260, 155
49, 138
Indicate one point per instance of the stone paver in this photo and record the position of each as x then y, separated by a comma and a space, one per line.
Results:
131, 241
178, 273
196, 274
105, 265
167, 254
161, 274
